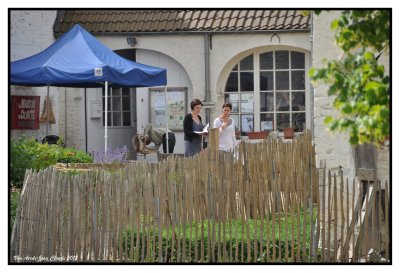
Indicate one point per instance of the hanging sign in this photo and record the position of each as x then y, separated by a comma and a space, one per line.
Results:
25, 112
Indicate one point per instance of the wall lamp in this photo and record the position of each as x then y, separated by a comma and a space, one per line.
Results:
131, 41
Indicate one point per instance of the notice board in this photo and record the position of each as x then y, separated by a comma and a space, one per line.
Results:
25, 112
175, 100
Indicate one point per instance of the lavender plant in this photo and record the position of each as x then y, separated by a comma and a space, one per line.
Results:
119, 155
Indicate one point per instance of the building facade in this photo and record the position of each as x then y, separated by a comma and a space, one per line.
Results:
256, 59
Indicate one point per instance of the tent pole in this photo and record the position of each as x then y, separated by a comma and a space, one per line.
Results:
47, 111
166, 118
106, 118
65, 117
86, 131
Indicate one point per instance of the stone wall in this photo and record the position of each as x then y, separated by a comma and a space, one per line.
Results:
31, 31
334, 148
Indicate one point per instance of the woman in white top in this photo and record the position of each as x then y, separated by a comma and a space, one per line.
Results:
226, 125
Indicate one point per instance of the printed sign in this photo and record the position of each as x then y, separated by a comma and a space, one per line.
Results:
25, 112
176, 103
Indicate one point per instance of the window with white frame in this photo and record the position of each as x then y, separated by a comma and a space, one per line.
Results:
119, 107
268, 91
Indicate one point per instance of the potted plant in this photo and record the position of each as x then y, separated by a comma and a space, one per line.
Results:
287, 129
258, 135
288, 132
237, 134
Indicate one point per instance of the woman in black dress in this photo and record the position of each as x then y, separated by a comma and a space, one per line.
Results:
192, 122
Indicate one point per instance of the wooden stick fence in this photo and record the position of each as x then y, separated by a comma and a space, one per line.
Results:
266, 203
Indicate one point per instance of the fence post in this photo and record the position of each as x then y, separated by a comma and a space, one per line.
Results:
213, 139
314, 242
160, 260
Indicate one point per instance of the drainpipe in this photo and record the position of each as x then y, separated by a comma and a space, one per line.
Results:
311, 86
314, 232
207, 73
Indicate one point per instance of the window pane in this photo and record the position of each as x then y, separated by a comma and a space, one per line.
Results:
236, 119
266, 101
125, 92
232, 83
282, 80
282, 101
299, 121
235, 68
282, 121
247, 102
297, 59
116, 92
116, 103
298, 101
281, 59
247, 63
266, 61
266, 80
267, 122
298, 80
126, 118
116, 119
109, 119
246, 81
234, 100
247, 123
126, 104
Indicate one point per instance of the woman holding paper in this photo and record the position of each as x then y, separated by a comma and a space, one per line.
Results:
226, 125
191, 123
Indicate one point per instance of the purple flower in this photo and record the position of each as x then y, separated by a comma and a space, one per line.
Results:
111, 156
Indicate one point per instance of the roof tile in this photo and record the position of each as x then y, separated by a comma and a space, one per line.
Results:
169, 20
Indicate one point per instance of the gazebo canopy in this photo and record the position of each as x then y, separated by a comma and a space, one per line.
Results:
78, 59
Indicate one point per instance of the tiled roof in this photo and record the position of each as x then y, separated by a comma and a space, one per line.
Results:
183, 20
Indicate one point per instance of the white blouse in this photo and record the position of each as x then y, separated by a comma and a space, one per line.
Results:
227, 138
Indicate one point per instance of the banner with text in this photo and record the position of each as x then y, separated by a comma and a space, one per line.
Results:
25, 112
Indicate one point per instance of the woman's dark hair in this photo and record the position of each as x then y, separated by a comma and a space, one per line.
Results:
228, 104
195, 102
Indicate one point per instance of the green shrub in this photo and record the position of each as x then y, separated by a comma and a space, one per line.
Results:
14, 200
27, 153
21, 158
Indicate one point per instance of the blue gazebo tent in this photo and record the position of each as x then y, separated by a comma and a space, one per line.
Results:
78, 59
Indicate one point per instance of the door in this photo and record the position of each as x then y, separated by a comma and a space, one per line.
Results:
121, 123
121, 114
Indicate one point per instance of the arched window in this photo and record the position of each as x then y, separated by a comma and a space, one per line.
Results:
268, 91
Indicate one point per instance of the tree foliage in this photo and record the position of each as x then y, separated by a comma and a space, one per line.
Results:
359, 83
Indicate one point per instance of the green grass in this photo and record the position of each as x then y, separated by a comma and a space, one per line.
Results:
285, 236
241, 239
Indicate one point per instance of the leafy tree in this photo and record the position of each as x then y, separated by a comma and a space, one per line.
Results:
359, 84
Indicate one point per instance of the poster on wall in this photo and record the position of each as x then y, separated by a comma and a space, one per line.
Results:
267, 125
25, 112
176, 106
247, 123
